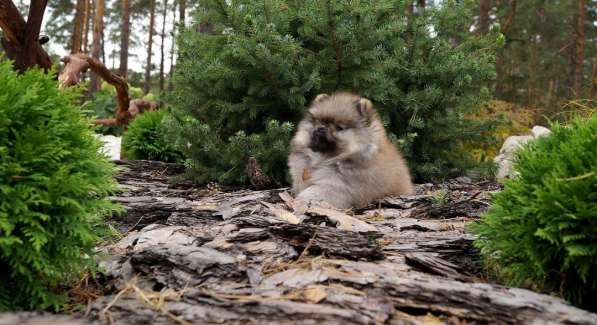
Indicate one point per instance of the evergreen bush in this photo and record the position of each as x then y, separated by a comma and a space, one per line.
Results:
247, 63
541, 230
146, 138
53, 189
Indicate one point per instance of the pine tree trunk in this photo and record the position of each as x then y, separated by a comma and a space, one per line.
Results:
580, 49
421, 4
147, 84
86, 18
182, 8
593, 79
162, 57
409, 8
103, 44
96, 48
171, 71
484, 7
77, 38
124, 38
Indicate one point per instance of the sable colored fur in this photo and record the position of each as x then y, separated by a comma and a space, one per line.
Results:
342, 155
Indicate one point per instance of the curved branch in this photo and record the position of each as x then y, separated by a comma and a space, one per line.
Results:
77, 63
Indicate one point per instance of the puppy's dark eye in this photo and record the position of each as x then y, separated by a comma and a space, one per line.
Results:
340, 127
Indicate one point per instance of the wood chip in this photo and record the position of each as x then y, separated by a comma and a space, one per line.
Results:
282, 214
314, 294
343, 221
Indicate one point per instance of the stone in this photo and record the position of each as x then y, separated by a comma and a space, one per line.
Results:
111, 145
539, 131
505, 159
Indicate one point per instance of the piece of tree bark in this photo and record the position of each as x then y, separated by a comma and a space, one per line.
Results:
77, 37
21, 39
254, 268
147, 84
580, 49
124, 37
98, 26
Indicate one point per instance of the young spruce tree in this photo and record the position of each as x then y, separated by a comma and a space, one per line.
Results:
247, 69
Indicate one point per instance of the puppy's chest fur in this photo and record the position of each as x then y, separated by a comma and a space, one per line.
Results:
344, 169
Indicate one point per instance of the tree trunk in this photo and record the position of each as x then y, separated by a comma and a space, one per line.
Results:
421, 4
147, 84
409, 8
103, 47
593, 79
171, 72
124, 37
163, 36
507, 23
77, 38
182, 8
20, 39
98, 26
484, 7
87, 16
580, 49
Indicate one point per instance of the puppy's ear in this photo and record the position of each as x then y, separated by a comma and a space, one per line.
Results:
365, 108
320, 98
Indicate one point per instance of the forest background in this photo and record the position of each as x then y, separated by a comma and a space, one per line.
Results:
545, 66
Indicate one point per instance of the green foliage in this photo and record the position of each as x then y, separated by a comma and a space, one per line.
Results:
541, 229
53, 189
224, 161
538, 41
103, 105
263, 62
146, 138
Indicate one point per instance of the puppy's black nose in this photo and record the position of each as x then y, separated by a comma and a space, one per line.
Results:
320, 141
320, 132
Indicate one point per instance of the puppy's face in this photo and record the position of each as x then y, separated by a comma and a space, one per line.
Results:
338, 123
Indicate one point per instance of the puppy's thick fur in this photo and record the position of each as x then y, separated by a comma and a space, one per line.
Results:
341, 154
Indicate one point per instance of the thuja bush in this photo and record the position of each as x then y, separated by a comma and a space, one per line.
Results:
53, 189
248, 63
146, 138
541, 229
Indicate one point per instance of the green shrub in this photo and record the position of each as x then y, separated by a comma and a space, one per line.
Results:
146, 138
103, 105
264, 61
53, 189
541, 230
224, 161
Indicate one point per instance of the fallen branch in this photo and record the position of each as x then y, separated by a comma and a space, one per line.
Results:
78, 63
